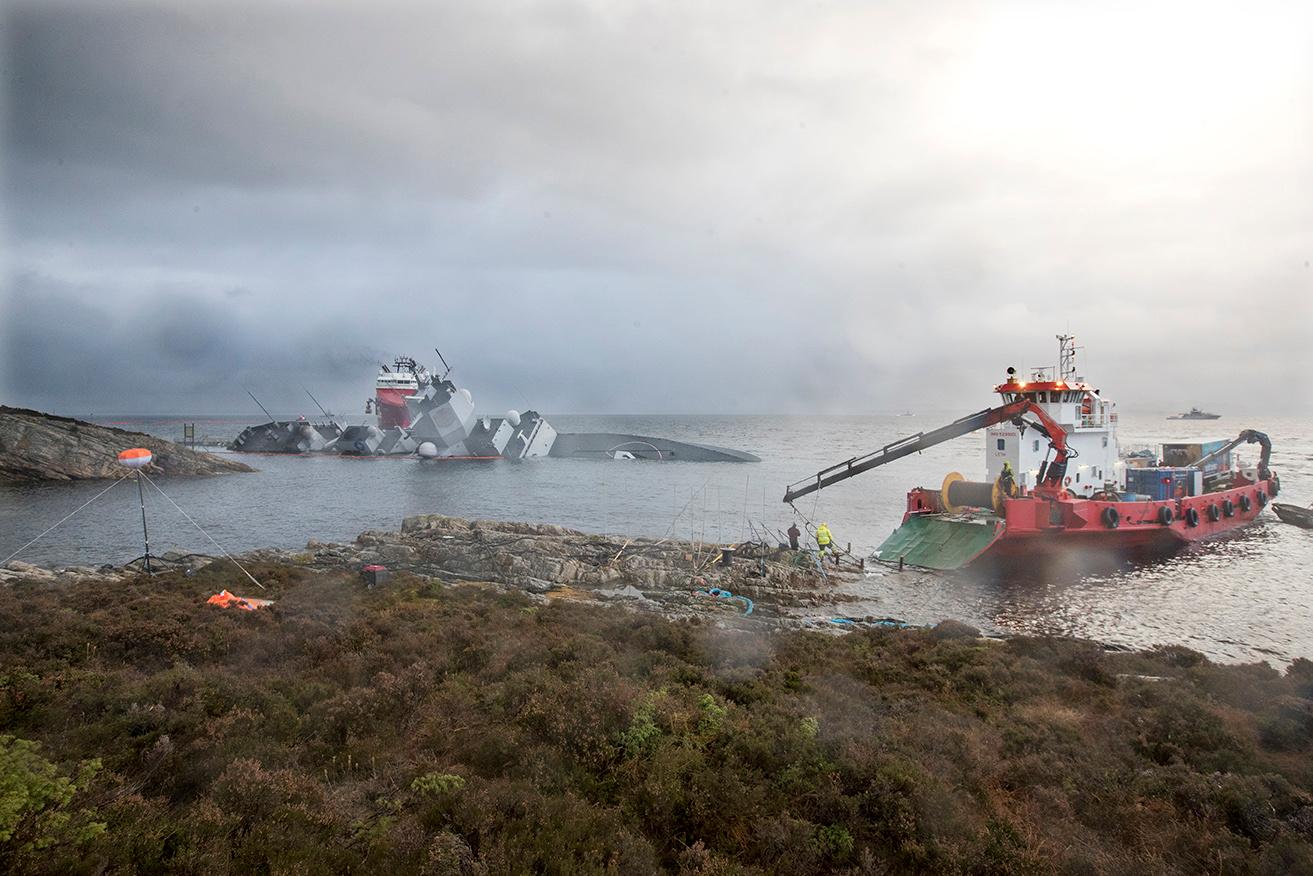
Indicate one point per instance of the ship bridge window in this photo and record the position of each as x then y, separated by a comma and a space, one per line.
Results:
1000, 444
1035, 445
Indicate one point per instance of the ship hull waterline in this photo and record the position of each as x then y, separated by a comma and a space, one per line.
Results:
1035, 529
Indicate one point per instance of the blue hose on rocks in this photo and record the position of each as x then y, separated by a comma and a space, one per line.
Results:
725, 594
888, 622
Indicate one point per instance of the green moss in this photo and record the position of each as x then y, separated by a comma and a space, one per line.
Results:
434, 784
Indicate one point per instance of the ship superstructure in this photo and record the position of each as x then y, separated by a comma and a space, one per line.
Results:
1090, 424
392, 388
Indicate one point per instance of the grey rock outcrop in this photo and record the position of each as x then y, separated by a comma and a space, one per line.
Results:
43, 447
660, 574
672, 577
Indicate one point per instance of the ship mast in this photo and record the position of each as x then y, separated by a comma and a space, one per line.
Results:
1067, 358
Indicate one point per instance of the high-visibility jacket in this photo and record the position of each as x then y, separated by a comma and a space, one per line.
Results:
822, 534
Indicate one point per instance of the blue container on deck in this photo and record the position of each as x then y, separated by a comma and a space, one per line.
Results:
1160, 483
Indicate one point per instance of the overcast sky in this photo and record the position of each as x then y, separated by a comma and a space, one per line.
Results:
666, 207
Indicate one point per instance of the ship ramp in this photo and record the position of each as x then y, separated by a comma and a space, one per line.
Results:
940, 541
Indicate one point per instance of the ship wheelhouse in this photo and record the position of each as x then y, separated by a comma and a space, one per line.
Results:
1089, 421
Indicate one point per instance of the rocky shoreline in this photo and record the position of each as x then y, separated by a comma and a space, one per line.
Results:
673, 577
36, 446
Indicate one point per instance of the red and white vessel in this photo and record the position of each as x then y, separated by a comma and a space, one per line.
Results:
406, 378
1055, 482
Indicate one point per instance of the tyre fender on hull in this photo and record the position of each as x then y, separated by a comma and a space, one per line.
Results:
1191, 517
1165, 516
1111, 518
1228, 507
1214, 513
1245, 503
1262, 499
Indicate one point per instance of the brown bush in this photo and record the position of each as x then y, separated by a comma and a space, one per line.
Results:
425, 729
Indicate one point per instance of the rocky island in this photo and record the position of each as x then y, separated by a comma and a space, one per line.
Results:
43, 447
519, 698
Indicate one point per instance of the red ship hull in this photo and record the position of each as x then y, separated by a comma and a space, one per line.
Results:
391, 407
1035, 526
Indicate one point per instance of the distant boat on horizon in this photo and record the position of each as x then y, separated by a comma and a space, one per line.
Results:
905, 414
1196, 414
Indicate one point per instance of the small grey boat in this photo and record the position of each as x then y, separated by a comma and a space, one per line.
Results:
1293, 514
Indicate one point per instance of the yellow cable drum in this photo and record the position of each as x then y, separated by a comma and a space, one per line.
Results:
958, 493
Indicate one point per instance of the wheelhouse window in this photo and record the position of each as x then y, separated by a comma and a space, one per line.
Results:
1001, 443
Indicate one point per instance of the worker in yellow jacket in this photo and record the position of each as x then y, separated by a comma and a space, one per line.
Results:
824, 541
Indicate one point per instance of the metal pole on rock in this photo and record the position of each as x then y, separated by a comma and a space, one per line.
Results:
141, 494
138, 458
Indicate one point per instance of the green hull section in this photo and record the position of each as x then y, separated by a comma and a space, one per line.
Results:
937, 541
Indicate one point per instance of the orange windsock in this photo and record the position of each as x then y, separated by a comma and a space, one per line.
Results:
136, 457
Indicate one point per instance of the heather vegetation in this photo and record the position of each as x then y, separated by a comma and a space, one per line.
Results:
423, 728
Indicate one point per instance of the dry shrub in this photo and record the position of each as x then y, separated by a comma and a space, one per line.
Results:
427, 729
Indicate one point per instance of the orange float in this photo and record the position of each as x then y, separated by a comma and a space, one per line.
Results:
136, 457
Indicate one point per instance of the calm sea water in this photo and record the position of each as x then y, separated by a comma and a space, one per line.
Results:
1248, 596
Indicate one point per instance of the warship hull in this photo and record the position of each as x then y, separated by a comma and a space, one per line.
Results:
288, 436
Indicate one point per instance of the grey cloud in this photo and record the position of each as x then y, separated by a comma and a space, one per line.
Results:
746, 207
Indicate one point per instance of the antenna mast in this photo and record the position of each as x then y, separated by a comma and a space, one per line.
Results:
317, 404
1067, 357
262, 407
444, 363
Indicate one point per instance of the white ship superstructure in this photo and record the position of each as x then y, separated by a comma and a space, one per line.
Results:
1089, 420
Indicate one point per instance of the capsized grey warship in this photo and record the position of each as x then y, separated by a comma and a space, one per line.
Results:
438, 421
289, 436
